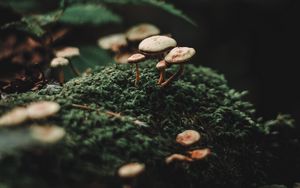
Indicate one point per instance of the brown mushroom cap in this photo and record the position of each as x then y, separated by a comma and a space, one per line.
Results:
59, 61
47, 134
113, 42
141, 31
199, 153
131, 170
157, 44
14, 117
161, 65
188, 137
136, 58
122, 58
67, 52
180, 55
177, 157
42, 109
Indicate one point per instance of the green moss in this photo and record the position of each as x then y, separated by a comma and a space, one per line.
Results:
96, 144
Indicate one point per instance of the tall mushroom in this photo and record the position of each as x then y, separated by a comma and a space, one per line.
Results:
135, 59
156, 45
178, 55
68, 53
141, 31
161, 67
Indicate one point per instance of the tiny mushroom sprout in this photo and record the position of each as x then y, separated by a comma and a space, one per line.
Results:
42, 109
161, 67
135, 59
178, 157
48, 134
141, 31
188, 137
113, 42
68, 53
156, 45
58, 63
178, 55
129, 172
199, 154
16, 116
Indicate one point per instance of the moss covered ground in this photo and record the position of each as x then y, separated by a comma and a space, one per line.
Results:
97, 144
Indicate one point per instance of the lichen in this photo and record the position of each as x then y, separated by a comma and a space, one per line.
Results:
96, 144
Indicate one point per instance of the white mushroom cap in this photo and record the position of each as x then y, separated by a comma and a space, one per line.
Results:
177, 157
42, 109
157, 44
67, 52
131, 170
122, 58
161, 65
59, 61
199, 153
47, 134
14, 117
180, 55
113, 42
188, 137
135, 58
141, 31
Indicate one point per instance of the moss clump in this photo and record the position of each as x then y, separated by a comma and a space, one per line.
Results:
97, 144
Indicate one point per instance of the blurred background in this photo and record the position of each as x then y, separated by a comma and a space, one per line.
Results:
254, 43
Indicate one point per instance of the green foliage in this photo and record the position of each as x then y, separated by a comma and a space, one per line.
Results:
96, 144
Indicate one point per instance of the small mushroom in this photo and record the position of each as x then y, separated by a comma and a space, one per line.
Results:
129, 172
157, 45
178, 157
122, 58
188, 137
68, 53
161, 67
47, 134
199, 154
42, 109
58, 63
15, 117
178, 55
141, 31
113, 42
135, 59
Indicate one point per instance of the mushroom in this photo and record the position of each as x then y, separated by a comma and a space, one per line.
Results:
113, 42
178, 55
122, 58
156, 45
188, 137
177, 157
199, 154
15, 117
135, 59
47, 134
161, 67
58, 63
141, 31
129, 172
42, 109
68, 53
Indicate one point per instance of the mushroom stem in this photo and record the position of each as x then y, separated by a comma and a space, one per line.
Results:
75, 71
174, 76
137, 78
161, 77
61, 76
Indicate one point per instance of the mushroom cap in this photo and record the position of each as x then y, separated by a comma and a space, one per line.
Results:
122, 58
14, 117
47, 134
188, 137
59, 61
135, 58
42, 109
131, 170
177, 157
157, 44
199, 153
180, 55
141, 31
161, 65
67, 52
113, 42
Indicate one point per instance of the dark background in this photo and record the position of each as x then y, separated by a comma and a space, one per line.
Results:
254, 43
